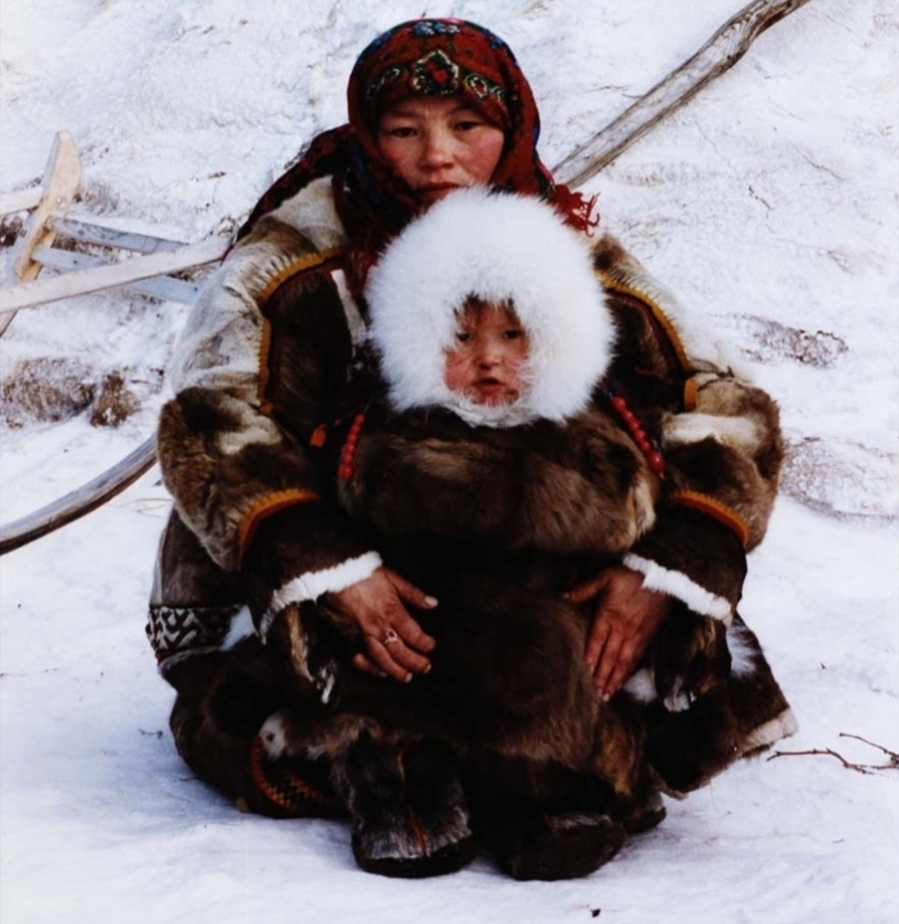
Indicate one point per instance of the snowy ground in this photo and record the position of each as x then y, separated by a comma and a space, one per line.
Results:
769, 205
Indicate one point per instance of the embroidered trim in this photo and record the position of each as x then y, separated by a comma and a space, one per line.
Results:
616, 285
290, 792
714, 508
179, 632
691, 394
265, 345
312, 584
293, 268
677, 584
265, 507
299, 265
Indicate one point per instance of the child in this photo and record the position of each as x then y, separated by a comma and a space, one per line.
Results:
501, 470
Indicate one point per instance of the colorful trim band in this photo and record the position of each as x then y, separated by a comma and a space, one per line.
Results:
691, 394
723, 514
265, 507
299, 265
290, 792
616, 285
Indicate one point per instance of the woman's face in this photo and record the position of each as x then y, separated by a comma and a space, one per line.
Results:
437, 144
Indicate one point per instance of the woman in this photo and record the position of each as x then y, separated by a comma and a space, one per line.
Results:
273, 350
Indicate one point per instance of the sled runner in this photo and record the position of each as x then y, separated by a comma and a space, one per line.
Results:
145, 263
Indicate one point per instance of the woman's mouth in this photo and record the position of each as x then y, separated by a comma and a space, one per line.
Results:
434, 191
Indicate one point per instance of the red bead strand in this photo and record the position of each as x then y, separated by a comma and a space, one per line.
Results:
645, 444
345, 469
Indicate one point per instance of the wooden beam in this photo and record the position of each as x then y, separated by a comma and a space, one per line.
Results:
94, 232
79, 502
22, 200
62, 177
163, 287
95, 279
719, 54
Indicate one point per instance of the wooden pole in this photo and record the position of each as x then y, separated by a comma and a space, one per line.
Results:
61, 180
79, 502
717, 56
720, 53
110, 275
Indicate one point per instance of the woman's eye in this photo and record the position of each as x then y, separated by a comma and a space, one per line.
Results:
467, 125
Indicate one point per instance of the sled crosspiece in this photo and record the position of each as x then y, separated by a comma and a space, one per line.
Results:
82, 273
148, 271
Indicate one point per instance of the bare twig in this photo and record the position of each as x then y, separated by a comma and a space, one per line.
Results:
859, 768
892, 764
894, 757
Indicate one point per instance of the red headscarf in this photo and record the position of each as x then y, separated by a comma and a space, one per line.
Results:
425, 57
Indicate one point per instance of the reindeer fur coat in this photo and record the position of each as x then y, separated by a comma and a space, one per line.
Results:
275, 348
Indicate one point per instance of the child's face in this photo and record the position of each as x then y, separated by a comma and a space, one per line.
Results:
486, 362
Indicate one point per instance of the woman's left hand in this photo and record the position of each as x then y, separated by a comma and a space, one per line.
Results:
626, 620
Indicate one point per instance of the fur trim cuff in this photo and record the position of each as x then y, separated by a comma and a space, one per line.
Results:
781, 726
313, 584
677, 584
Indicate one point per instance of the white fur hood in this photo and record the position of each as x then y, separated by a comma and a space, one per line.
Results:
497, 247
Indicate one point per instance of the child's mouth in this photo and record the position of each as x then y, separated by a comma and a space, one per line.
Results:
491, 391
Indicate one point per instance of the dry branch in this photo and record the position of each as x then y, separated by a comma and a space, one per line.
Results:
892, 764
718, 55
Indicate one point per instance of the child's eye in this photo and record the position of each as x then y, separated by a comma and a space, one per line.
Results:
513, 333
462, 336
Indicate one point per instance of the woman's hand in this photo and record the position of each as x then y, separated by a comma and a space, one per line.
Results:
627, 618
395, 645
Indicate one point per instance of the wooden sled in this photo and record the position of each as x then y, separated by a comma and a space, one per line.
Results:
81, 273
134, 260
157, 257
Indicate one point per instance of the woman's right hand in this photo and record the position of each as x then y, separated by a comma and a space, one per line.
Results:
395, 644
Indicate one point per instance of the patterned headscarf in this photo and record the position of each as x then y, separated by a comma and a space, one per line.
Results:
425, 57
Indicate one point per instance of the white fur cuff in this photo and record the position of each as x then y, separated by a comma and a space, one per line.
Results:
781, 726
677, 584
313, 584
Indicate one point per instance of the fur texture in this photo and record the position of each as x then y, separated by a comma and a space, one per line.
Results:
494, 247
269, 355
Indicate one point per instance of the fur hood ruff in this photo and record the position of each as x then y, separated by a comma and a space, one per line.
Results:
498, 247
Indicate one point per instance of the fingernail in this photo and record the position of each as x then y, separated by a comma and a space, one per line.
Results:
427, 670
431, 602
408, 678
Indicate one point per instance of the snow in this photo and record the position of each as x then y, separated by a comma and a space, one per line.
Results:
768, 205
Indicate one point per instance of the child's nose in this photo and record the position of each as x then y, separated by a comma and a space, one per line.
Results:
489, 356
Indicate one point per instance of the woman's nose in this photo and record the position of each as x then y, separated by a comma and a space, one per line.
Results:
437, 148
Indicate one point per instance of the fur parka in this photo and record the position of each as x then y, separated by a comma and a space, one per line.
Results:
274, 349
